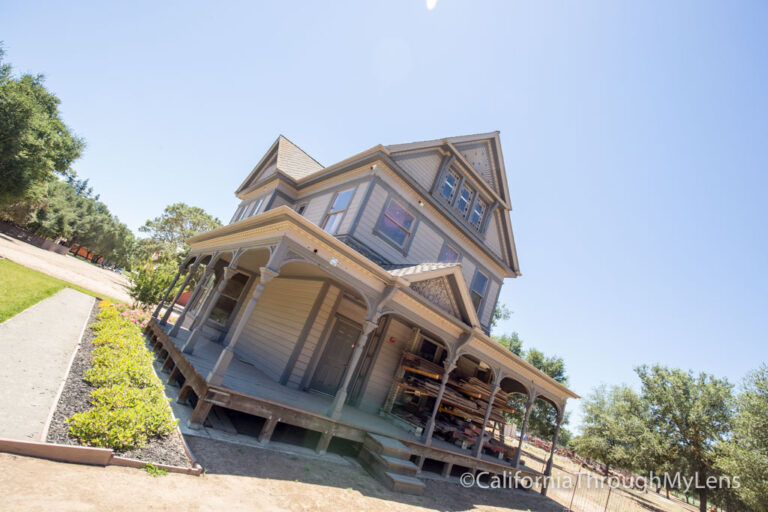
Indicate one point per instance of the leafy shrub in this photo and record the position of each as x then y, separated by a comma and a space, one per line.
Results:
129, 405
150, 280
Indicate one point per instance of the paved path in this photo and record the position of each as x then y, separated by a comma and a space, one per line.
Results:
65, 267
35, 349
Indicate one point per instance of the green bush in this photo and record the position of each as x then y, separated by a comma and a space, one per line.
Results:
129, 405
150, 280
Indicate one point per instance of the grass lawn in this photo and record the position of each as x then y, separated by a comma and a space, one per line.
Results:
21, 287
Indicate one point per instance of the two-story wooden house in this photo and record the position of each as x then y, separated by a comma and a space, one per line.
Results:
356, 300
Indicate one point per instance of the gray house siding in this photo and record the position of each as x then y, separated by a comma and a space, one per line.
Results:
422, 166
274, 328
383, 369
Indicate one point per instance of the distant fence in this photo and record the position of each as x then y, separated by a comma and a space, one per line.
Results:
31, 238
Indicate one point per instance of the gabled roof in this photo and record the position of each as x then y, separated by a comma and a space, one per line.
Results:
480, 153
441, 283
288, 159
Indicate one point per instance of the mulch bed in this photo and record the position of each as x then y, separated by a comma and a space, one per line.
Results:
75, 398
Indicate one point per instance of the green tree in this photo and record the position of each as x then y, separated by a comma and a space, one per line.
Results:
745, 453
613, 427
168, 232
692, 412
150, 280
35, 144
511, 341
500, 312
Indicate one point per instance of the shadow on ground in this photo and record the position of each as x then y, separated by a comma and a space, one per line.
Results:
342, 471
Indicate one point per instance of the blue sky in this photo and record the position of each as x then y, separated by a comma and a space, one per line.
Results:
634, 134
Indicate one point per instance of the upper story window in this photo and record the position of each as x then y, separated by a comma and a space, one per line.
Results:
254, 208
336, 212
448, 254
464, 200
478, 289
448, 187
396, 223
476, 216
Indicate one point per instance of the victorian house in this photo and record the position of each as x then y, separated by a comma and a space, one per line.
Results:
355, 301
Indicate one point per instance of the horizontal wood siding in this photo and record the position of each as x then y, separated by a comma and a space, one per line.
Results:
272, 331
493, 236
352, 310
383, 370
423, 167
317, 207
313, 338
488, 305
353, 208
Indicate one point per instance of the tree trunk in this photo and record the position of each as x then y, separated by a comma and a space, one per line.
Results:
703, 499
667, 489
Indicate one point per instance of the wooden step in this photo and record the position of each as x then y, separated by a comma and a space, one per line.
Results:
384, 463
405, 484
386, 446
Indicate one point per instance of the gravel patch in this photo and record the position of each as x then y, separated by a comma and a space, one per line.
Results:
75, 398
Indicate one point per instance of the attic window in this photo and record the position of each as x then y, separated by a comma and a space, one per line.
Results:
477, 213
448, 188
464, 200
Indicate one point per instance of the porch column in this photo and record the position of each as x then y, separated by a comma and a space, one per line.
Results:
341, 395
210, 303
449, 364
488, 410
216, 377
548, 470
195, 294
183, 287
528, 407
168, 291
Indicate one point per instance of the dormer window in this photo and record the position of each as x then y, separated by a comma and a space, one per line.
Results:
464, 200
448, 188
478, 210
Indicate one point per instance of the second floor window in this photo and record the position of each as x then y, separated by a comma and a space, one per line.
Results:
478, 289
464, 200
254, 208
476, 217
338, 208
448, 254
396, 223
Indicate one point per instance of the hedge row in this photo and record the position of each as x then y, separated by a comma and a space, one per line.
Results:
129, 403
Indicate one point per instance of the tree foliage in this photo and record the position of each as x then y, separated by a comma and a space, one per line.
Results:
168, 232
35, 144
745, 452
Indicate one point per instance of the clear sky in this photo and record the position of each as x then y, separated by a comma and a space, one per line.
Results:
635, 136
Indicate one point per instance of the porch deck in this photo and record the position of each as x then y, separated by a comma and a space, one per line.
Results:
247, 389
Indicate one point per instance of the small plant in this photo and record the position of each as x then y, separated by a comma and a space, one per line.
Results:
129, 404
153, 470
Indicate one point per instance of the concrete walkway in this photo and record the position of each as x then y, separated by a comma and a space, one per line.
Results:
35, 349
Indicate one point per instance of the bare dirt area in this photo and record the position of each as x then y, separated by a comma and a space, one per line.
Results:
67, 268
238, 478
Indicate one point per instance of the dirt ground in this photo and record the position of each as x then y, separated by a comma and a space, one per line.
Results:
64, 267
238, 478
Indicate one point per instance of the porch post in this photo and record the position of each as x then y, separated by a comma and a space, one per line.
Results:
548, 470
168, 291
341, 395
449, 364
216, 377
197, 329
488, 410
190, 273
528, 407
195, 294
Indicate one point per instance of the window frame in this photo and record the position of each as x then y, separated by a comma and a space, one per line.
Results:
459, 255
452, 204
478, 201
411, 233
329, 212
484, 294
444, 180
